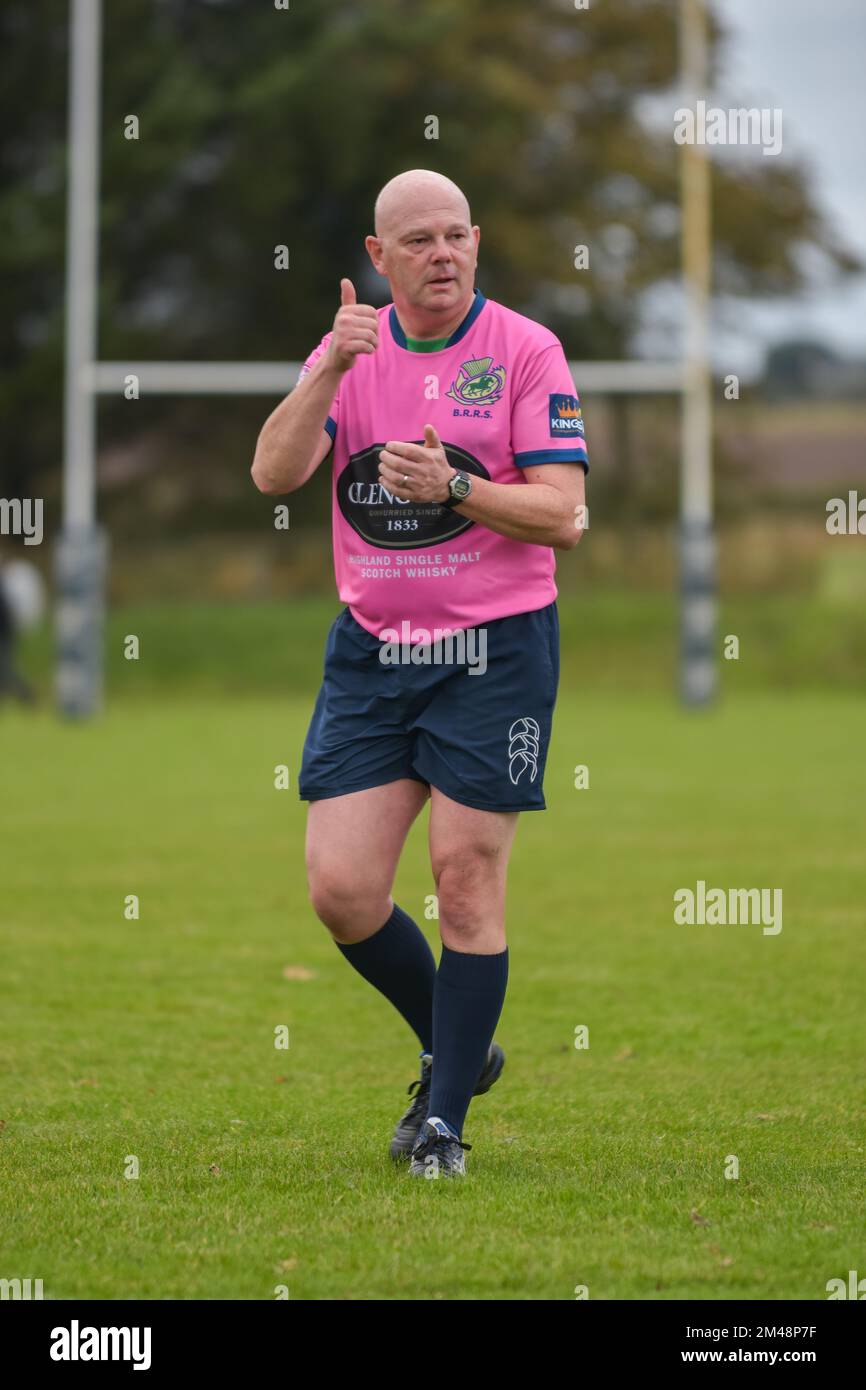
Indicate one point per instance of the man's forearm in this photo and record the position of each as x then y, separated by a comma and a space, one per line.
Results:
291, 435
540, 514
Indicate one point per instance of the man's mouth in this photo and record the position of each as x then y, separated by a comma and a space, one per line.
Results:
443, 280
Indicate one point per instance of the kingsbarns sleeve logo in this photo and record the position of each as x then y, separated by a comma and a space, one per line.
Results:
565, 416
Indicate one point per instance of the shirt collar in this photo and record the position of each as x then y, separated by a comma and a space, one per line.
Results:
460, 332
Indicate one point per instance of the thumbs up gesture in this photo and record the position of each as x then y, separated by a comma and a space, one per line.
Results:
356, 329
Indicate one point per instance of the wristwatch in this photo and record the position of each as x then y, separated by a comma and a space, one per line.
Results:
459, 488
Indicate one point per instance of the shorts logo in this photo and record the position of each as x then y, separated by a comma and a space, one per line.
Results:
565, 416
476, 382
523, 739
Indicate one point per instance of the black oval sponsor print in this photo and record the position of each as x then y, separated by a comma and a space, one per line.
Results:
383, 519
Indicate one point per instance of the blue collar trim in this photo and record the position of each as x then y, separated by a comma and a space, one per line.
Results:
460, 332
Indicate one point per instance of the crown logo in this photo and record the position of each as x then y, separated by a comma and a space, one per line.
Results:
567, 412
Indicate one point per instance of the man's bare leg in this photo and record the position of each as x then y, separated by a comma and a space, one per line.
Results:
469, 853
354, 843
353, 846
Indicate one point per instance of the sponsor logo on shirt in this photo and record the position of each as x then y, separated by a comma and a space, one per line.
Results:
478, 381
565, 416
385, 520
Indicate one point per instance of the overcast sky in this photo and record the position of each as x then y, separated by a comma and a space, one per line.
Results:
808, 59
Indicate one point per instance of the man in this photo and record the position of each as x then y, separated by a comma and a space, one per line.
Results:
459, 463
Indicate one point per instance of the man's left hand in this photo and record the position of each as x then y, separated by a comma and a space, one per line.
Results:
415, 472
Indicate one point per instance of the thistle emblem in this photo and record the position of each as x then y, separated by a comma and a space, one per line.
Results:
478, 381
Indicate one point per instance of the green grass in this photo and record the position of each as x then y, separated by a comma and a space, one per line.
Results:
611, 639
260, 1167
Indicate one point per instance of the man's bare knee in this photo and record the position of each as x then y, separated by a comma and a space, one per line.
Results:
468, 863
470, 885
351, 909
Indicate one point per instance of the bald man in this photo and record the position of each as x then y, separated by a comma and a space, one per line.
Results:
458, 468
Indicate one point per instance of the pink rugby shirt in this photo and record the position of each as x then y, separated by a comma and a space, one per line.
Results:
501, 397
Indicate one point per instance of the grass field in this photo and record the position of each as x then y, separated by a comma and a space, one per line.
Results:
602, 1167
611, 640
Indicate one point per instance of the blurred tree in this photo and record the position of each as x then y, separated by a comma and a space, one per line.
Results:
792, 366
261, 126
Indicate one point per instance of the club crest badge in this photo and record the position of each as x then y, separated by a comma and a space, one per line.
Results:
478, 382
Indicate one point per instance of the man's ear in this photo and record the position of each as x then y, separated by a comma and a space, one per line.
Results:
374, 251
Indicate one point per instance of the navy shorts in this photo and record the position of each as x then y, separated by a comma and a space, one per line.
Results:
475, 723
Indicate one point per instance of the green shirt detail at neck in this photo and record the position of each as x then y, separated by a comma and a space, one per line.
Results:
426, 344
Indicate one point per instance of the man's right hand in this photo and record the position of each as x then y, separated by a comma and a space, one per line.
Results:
356, 329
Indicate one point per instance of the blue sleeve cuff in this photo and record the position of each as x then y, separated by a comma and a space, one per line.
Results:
331, 427
530, 457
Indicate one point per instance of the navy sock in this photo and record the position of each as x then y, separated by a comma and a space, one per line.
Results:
467, 1002
398, 962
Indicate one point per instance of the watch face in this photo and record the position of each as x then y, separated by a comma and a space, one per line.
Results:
460, 487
